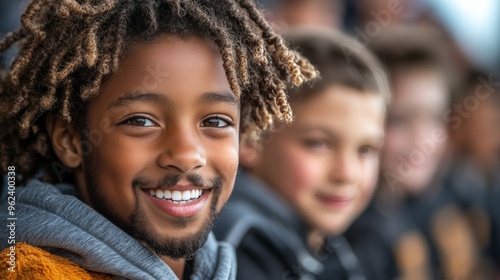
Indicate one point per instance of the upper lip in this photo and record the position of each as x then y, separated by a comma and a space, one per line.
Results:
179, 187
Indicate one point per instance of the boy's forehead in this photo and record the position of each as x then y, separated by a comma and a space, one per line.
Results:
340, 107
168, 67
171, 48
334, 95
161, 41
415, 87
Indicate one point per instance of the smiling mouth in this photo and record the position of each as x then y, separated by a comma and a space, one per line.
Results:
335, 202
176, 196
182, 201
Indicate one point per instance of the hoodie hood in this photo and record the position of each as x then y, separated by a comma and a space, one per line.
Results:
65, 226
249, 188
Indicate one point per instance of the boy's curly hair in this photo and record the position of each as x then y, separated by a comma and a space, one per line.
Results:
68, 48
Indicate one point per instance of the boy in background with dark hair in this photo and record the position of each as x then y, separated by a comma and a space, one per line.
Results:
304, 185
474, 174
416, 229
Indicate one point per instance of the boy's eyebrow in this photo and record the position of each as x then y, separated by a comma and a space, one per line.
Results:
308, 127
220, 97
375, 138
155, 98
141, 97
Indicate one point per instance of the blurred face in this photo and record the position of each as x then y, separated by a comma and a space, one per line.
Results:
312, 13
326, 164
416, 133
482, 136
373, 10
167, 158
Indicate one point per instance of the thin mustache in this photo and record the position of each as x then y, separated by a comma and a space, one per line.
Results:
171, 180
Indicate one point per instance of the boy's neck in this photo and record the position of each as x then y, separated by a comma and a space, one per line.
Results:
315, 240
177, 266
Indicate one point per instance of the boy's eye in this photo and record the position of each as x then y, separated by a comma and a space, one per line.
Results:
217, 122
139, 121
367, 149
315, 143
399, 119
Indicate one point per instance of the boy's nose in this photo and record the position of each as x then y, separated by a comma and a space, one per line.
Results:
424, 129
183, 151
345, 168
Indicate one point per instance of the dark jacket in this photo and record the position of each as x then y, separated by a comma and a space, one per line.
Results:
495, 228
425, 236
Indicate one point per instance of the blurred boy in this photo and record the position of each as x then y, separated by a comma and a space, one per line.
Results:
416, 229
474, 175
307, 182
474, 121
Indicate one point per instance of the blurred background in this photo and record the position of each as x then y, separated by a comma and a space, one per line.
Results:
471, 27
436, 213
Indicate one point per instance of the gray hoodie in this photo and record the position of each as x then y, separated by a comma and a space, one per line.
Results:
65, 226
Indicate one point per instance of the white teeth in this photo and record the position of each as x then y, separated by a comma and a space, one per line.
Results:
186, 195
167, 194
176, 195
159, 193
197, 193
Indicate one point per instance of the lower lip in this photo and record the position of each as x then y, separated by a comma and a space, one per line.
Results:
180, 210
335, 203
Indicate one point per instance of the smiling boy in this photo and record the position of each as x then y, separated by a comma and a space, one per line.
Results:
123, 120
305, 185
165, 153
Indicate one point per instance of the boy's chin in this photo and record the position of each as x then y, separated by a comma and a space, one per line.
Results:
416, 186
174, 246
330, 228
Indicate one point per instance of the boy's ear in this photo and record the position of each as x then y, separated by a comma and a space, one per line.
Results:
249, 156
65, 140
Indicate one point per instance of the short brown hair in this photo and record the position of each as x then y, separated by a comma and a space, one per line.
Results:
410, 47
340, 60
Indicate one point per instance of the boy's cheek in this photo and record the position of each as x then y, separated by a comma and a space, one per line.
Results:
394, 147
370, 178
374, 170
396, 141
305, 170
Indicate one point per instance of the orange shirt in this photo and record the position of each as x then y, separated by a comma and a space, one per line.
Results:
34, 263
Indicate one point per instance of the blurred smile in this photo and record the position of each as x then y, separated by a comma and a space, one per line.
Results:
336, 202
